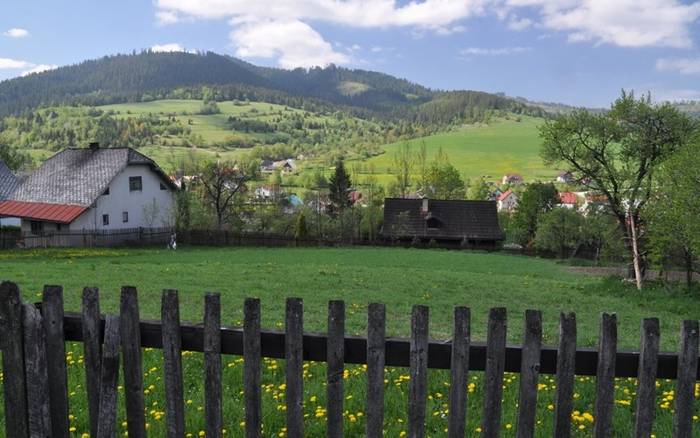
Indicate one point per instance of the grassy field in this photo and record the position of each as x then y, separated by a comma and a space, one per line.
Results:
396, 277
504, 146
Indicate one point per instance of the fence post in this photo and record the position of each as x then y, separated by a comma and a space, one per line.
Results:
130, 335
646, 384
418, 384
92, 347
109, 376
336, 363
251, 364
294, 349
376, 346
172, 364
495, 365
529, 373
566, 366
12, 344
37, 378
212, 364
685, 386
459, 372
52, 309
605, 376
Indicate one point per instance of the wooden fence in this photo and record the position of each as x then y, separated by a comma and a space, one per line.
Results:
36, 396
89, 238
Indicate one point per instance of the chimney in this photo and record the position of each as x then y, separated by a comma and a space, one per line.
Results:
94, 146
424, 207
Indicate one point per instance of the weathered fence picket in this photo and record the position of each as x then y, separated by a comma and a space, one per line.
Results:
33, 350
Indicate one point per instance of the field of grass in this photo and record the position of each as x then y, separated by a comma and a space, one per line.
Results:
396, 277
503, 146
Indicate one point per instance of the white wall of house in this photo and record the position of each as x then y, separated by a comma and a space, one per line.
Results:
510, 203
149, 207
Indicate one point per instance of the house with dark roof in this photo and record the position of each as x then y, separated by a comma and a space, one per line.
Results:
8, 184
92, 189
450, 223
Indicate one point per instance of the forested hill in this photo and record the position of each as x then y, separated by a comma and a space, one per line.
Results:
148, 76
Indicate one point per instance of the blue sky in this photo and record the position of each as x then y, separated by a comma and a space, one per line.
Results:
580, 52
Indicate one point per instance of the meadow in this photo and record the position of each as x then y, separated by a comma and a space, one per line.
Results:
489, 150
397, 277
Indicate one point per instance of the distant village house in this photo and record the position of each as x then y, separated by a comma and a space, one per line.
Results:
512, 178
507, 201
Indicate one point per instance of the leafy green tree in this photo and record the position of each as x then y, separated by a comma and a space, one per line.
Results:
339, 185
300, 230
403, 163
479, 190
13, 157
618, 153
674, 214
443, 180
560, 231
536, 199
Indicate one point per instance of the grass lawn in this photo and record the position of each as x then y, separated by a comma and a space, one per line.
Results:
396, 277
503, 146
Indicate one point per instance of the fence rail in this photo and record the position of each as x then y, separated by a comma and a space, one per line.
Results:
33, 345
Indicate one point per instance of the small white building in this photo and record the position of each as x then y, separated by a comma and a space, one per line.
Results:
93, 189
507, 201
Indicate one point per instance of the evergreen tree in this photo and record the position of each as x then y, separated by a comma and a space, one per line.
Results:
339, 185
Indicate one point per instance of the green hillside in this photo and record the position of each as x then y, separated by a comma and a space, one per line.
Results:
489, 150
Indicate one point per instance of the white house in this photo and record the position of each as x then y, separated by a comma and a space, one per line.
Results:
565, 178
508, 201
8, 184
93, 189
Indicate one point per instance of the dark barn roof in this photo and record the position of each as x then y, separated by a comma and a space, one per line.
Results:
446, 220
8, 181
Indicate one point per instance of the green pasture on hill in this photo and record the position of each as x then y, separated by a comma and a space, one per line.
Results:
491, 151
397, 277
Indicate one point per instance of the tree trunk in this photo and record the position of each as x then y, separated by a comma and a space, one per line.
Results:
635, 252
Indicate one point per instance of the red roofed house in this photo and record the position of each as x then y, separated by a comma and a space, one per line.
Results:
507, 201
92, 189
512, 178
568, 199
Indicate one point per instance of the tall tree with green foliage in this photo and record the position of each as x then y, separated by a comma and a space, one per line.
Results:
536, 199
300, 230
443, 180
12, 157
479, 190
618, 153
403, 164
673, 217
560, 231
339, 184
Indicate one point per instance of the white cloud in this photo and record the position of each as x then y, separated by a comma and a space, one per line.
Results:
172, 47
293, 43
166, 17
518, 24
686, 66
16, 32
675, 95
7, 64
501, 51
39, 68
625, 23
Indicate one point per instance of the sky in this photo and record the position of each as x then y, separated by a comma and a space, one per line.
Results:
578, 52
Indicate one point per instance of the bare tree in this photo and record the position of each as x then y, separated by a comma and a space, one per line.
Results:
222, 181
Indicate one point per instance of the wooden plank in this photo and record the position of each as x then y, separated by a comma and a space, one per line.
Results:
294, 338
418, 385
685, 386
493, 379
251, 362
566, 365
52, 316
109, 377
212, 365
646, 382
459, 375
92, 352
397, 350
605, 378
376, 337
12, 344
172, 364
529, 374
36, 372
133, 369
335, 368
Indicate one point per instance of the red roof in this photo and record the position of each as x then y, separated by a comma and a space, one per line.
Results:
62, 213
567, 197
505, 194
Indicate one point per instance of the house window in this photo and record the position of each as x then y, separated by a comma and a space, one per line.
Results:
106, 191
59, 227
135, 184
125, 216
162, 186
105, 219
37, 227
433, 223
